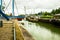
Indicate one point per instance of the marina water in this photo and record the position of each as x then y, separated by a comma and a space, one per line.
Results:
42, 31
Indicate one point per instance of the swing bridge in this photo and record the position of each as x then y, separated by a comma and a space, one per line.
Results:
13, 14
11, 29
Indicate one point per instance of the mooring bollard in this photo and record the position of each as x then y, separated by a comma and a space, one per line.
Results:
1, 23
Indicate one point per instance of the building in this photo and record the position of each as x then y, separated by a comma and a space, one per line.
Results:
57, 16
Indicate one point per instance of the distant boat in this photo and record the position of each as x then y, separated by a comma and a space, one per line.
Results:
19, 18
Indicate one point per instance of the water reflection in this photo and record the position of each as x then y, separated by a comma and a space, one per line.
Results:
50, 27
42, 31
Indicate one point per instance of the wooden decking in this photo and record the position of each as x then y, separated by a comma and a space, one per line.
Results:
6, 32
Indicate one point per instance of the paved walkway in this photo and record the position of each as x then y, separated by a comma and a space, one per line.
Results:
6, 31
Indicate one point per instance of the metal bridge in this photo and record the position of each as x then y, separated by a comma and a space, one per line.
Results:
7, 17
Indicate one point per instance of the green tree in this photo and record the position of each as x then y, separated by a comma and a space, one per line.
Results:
46, 13
40, 13
56, 11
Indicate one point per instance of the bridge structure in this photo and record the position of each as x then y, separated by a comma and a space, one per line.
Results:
2, 12
11, 29
13, 14
8, 30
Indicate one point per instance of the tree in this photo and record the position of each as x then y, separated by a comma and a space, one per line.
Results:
40, 13
53, 12
46, 13
56, 11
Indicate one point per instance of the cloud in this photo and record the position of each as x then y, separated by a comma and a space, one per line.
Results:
42, 5
49, 4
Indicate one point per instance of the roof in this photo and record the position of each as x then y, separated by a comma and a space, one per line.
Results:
57, 14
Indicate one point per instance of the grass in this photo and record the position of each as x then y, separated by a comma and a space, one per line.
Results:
47, 17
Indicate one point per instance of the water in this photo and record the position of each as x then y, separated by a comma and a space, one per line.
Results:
42, 31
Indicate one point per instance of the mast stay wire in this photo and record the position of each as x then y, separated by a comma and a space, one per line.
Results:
16, 7
7, 5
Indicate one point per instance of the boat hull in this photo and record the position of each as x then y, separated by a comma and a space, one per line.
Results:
19, 19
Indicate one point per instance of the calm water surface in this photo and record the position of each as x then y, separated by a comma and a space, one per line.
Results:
42, 31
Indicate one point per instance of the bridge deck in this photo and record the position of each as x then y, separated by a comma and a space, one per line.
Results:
6, 31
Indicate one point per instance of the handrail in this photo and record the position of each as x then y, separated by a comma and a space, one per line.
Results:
14, 31
14, 34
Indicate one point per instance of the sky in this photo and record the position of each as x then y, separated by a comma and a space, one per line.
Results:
31, 6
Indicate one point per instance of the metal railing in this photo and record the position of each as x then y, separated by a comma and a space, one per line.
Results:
14, 34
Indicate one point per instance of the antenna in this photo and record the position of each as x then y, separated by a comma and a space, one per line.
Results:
33, 10
25, 12
25, 9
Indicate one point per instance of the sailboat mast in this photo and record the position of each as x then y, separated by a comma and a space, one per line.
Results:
13, 7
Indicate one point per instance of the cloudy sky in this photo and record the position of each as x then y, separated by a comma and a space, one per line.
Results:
32, 6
